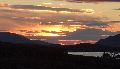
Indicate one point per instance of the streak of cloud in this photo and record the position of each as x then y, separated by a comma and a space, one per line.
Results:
33, 7
117, 9
89, 34
80, 1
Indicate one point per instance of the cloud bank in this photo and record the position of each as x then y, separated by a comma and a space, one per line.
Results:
89, 34
32, 7
80, 1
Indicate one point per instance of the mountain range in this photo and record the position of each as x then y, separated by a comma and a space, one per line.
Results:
16, 38
111, 41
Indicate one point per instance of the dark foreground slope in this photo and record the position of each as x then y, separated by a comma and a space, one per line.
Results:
111, 41
25, 56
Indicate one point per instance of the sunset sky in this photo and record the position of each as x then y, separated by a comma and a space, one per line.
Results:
61, 21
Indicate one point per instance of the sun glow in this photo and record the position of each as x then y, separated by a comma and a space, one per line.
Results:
88, 11
47, 30
48, 34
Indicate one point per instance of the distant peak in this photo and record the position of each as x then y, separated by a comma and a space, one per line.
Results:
16, 38
110, 41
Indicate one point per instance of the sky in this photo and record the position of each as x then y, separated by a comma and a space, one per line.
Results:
61, 21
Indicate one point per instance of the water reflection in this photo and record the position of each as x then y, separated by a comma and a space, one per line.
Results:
95, 54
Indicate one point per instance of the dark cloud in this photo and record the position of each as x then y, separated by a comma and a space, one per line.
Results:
89, 34
33, 31
84, 35
24, 17
93, 23
22, 30
114, 22
117, 9
43, 8
80, 1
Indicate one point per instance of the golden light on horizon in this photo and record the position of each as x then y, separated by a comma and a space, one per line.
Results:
67, 42
47, 30
74, 42
48, 34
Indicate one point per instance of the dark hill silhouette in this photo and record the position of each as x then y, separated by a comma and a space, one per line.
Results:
112, 41
33, 56
11, 37
15, 38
